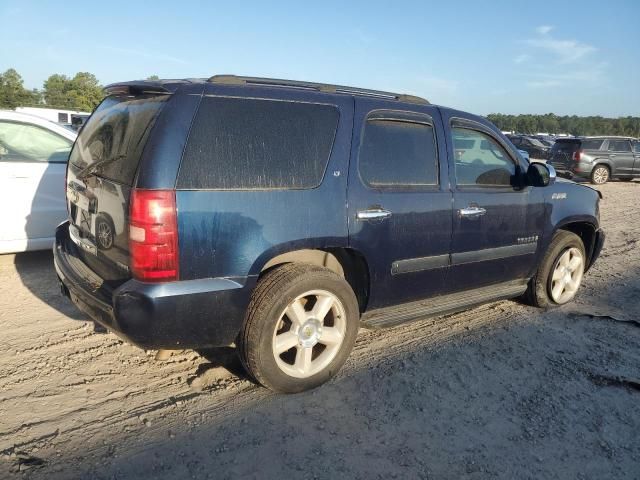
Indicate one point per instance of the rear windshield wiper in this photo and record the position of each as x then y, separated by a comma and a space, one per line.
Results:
92, 169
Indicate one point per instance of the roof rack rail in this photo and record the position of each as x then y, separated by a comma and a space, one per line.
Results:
321, 87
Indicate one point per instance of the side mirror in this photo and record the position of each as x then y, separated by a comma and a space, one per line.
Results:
540, 175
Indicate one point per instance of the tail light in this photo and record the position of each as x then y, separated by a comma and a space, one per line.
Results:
153, 235
576, 155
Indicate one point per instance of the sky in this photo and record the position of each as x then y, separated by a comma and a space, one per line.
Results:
565, 57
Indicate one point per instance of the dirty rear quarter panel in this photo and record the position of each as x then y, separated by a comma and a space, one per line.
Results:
233, 233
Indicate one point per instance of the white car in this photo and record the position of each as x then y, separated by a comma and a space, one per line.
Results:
33, 163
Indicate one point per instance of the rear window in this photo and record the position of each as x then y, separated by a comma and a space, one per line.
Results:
112, 140
566, 145
592, 144
242, 144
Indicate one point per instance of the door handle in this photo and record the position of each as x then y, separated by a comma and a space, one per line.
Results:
472, 211
612, 155
374, 213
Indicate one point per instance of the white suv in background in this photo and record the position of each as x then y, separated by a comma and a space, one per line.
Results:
33, 162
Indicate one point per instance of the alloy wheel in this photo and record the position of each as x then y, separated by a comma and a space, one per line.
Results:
309, 333
600, 175
567, 275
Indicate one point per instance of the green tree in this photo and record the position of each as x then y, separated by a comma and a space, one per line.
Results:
82, 92
153, 77
12, 91
551, 123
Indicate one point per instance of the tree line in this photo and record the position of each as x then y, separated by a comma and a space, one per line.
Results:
551, 123
84, 92
81, 92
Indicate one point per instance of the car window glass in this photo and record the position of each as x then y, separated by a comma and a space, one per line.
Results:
480, 160
636, 147
398, 153
591, 144
619, 146
30, 143
246, 144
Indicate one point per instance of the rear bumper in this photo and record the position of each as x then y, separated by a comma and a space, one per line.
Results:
173, 315
579, 169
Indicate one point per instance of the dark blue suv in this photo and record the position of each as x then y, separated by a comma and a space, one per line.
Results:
281, 216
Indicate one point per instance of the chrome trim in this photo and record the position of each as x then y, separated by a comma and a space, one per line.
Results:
83, 243
472, 211
373, 214
552, 173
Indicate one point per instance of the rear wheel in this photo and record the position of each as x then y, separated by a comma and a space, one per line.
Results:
560, 273
300, 327
600, 174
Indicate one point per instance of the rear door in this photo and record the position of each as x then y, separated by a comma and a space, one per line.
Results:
399, 201
33, 161
621, 156
497, 223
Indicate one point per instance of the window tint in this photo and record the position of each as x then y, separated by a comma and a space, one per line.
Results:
398, 153
636, 147
619, 146
113, 139
592, 144
239, 144
22, 142
480, 160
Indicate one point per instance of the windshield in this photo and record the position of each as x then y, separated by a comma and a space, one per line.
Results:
111, 142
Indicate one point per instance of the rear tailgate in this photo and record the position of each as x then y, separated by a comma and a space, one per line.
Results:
101, 174
561, 156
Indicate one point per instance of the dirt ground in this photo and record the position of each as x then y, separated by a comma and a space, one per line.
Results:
501, 391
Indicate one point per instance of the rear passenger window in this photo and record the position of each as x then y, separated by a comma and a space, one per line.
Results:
241, 144
397, 153
591, 144
480, 160
619, 146
636, 147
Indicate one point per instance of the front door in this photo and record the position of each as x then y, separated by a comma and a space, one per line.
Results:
399, 200
636, 163
497, 223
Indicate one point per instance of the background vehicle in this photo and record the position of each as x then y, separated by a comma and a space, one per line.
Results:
33, 163
532, 145
74, 118
597, 158
282, 215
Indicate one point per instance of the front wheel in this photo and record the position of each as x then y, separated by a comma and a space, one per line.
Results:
560, 273
300, 327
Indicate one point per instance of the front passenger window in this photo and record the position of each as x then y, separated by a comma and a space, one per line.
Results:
480, 160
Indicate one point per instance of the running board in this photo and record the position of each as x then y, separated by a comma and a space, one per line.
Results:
442, 305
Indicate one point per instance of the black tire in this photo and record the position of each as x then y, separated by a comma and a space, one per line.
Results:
274, 292
600, 175
538, 292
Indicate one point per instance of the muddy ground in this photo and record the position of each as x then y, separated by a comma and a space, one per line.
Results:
501, 391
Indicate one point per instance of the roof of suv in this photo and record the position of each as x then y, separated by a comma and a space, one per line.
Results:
169, 86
